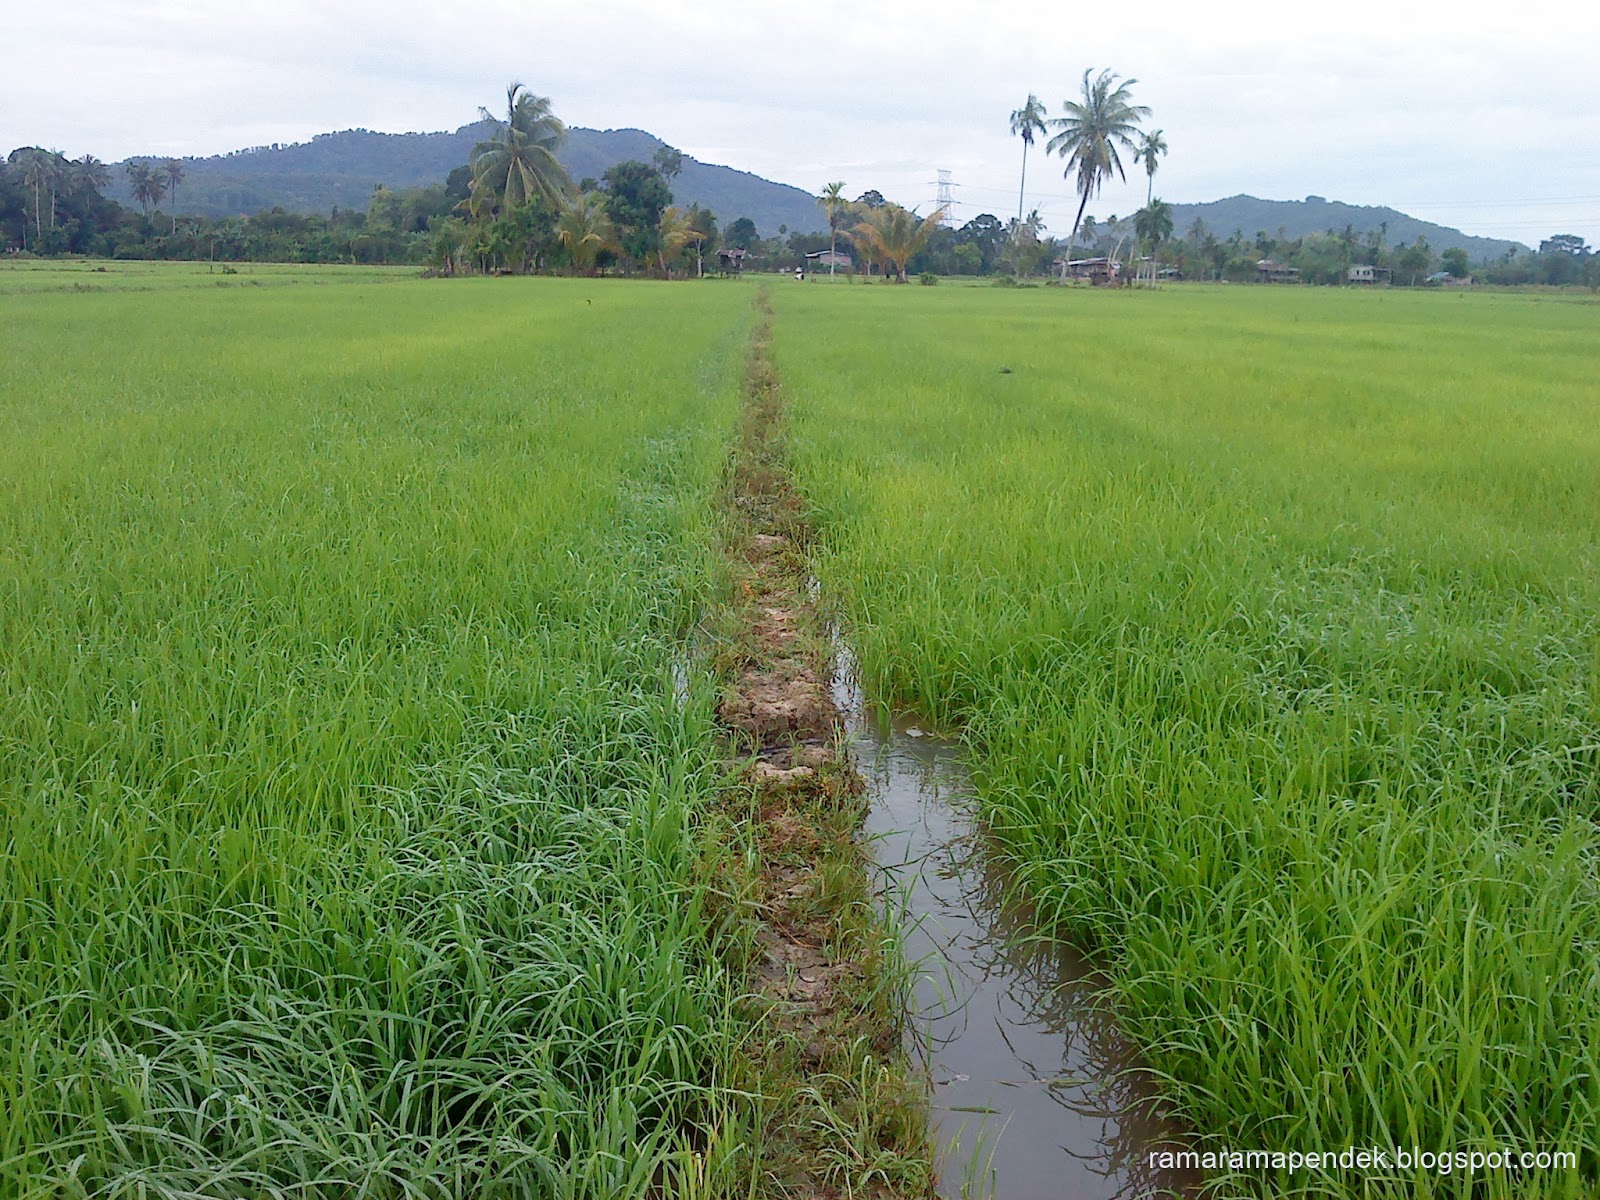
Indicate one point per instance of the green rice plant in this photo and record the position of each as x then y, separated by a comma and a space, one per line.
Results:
115, 275
1273, 623
349, 779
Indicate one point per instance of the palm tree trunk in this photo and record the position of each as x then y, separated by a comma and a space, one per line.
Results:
1022, 188
1077, 221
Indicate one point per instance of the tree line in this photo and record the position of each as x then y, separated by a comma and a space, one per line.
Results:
1326, 258
50, 205
522, 212
512, 208
1102, 123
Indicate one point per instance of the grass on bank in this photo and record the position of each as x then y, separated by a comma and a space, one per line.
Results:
1273, 621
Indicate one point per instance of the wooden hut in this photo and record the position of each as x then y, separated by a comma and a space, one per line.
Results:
1269, 271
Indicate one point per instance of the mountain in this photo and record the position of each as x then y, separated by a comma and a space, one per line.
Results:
1297, 218
341, 169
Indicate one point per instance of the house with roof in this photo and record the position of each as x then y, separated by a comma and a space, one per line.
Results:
825, 259
1095, 270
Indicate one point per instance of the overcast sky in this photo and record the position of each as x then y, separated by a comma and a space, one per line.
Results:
1484, 117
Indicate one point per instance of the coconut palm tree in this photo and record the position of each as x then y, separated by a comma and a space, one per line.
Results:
518, 162
93, 173
57, 175
1025, 122
1153, 224
677, 231
836, 206
1151, 148
35, 175
893, 234
585, 229
171, 173
1090, 130
147, 186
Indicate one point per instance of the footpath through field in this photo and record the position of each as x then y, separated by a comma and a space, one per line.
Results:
846, 1111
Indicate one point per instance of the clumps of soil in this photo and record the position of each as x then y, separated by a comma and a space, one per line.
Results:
844, 1112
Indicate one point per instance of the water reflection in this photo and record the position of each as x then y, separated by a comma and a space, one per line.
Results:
1035, 1091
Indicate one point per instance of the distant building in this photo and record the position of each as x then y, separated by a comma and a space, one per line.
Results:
1364, 273
828, 258
1268, 271
1095, 270
731, 260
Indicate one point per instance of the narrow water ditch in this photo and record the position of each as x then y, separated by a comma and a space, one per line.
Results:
1035, 1093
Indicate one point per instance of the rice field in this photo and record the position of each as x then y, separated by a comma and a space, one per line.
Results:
354, 765
1272, 622
134, 275
348, 804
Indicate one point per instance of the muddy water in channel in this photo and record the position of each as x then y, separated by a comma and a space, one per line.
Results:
1033, 1095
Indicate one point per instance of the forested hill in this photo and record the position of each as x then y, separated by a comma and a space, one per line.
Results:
341, 169
1297, 218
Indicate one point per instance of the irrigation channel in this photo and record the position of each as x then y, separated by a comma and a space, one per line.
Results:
1035, 1091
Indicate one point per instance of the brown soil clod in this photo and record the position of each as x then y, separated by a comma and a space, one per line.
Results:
845, 1112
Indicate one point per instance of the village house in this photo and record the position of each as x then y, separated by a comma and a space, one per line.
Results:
1269, 271
1365, 273
1095, 270
824, 259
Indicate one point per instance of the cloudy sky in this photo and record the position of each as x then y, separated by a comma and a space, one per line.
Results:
1484, 117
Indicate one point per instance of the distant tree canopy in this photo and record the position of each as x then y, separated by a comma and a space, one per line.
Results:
51, 205
668, 161
527, 216
636, 197
1565, 243
742, 233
